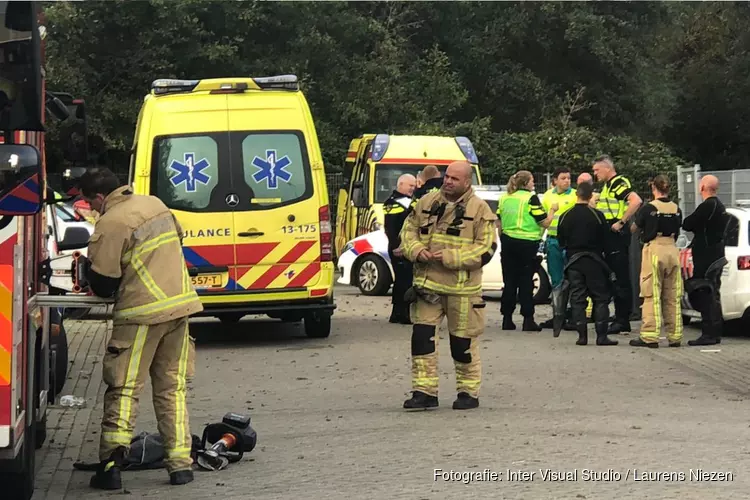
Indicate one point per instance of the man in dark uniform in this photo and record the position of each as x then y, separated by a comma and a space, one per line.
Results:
396, 208
432, 182
619, 204
708, 223
581, 233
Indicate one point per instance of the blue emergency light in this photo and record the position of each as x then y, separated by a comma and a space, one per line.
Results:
170, 85
467, 148
380, 146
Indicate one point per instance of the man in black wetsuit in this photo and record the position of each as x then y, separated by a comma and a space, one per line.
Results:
581, 233
708, 223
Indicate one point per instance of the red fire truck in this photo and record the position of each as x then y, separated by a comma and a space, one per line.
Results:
26, 308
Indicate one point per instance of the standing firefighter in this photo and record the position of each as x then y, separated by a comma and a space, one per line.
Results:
619, 203
661, 275
135, 255
709, 224
581, 232
396, 208
449, 236
521, 222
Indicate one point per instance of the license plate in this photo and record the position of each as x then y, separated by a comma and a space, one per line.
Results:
206, 281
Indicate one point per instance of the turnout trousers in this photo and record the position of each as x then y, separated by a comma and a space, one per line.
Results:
165, 351
661, 290
466, 316
518, 259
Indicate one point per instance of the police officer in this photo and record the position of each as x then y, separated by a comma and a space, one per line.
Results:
521, 220
708, 223
562, 197
661, 274
449, 237
135, 256
396, 208
619, 203
581, 233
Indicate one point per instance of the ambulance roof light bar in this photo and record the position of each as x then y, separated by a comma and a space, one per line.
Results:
467, 148
283, 82
170, 86
380, 146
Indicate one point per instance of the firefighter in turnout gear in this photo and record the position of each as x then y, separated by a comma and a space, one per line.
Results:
396, 208
661, 275
135, 256
449, 237
619, 203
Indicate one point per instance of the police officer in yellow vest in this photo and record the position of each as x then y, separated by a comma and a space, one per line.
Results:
135, 256
661, 273
522, 220
449, 237
619, 203
563, 198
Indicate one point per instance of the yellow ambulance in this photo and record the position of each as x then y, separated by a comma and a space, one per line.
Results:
373, 165
238, 162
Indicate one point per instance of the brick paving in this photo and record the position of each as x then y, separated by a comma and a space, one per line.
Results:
330, 424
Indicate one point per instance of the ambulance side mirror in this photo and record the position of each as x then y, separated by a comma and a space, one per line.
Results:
75, 238
20, 180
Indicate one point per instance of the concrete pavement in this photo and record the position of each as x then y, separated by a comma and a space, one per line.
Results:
330, 424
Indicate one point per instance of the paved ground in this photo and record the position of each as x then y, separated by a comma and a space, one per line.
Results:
330, 424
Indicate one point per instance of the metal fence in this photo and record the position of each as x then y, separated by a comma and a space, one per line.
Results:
734, 186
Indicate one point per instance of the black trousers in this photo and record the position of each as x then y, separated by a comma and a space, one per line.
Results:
617, 258
709, 305
518, 259
404, 275
587, 278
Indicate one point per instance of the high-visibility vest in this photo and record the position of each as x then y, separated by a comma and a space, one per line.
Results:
515, 217
612, 208
565, 201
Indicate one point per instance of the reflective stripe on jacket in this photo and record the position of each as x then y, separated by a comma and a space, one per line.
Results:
612, 208
137, 239
462, 231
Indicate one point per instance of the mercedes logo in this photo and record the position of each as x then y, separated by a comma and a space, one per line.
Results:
232, 200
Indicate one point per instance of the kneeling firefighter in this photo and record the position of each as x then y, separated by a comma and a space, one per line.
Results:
449, 236
581, 233
661, 274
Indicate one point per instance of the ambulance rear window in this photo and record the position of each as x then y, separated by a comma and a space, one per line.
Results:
274, 166
186, 171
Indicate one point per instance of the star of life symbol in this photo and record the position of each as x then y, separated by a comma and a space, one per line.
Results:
271, 169
190, 172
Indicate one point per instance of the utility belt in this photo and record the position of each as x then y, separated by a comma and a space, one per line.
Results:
591, 255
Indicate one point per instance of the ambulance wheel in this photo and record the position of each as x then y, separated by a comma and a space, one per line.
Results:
318, 325
372, 276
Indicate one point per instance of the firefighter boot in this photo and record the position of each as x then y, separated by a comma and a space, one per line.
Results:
465, 401
421, 401
601, 334
180, 477
583, 334
107, 475
639, 342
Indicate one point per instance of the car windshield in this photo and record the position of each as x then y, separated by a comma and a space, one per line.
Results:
386, 177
